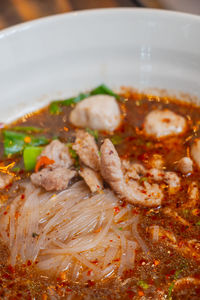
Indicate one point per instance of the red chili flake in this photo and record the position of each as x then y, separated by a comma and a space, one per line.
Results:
19, 295
17, 215
11, 269
116, 209
171, 273
124, 204
5, 212
11, 285
130, 138
135, 211
95, 261
90, 283
43, 162
142, 261
117, 259
131, 294
22, 196
29, 263
166, 120
8, 185
140, 293
181, 243
89, 272
7, 276
111, 240
111, 152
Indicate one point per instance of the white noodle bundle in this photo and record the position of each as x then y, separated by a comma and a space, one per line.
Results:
71, 231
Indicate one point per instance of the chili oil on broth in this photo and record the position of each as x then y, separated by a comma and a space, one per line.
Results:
153, 275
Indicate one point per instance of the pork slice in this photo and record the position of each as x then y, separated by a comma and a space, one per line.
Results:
92, 178
87, 150
53, 177
58, 152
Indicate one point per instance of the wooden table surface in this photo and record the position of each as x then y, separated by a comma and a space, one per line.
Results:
17, 11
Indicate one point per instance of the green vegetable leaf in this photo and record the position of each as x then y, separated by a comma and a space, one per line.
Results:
171, 287
28, 129
73, 154
55, 108
74, 100
143, 284
16, 169
15, 142
116, 139
198, 223
94, 133
104, 90
30, 155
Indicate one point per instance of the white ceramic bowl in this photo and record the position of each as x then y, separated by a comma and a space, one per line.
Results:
192, 6
62, 55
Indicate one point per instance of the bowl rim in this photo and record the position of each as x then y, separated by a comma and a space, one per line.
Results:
97, 11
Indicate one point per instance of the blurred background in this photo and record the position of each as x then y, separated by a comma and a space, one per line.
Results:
16, 11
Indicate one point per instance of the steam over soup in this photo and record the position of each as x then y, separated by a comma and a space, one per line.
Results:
100, 199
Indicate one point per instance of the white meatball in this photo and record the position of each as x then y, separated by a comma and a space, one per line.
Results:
162, 123
185, 165
195, 152
99, 112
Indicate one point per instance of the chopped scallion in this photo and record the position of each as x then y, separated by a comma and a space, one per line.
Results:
143, 284
27, 129
94, 133
30, 155
116, 139
15, 142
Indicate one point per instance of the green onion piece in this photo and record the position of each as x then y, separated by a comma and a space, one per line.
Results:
74, 100
120, 228
149, 144
30, 155
104, 90
73, 154
143, 179
143, 284
16, 169
116, 139
55, 137
185, 212
198, 223
55, 108
94, 133
15, 142
28, 129
171, 287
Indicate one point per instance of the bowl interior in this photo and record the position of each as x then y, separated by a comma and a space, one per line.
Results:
59, 56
